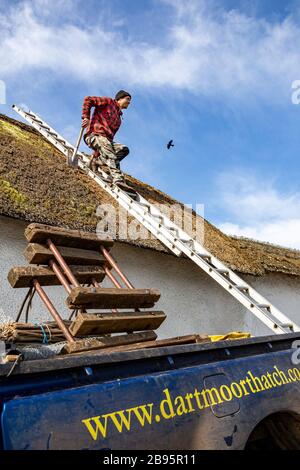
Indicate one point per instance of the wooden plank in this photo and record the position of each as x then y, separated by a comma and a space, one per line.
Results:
40, 254
39, 233
189, 339
181, 340
107, 298
102, 323
23, 276
88, 344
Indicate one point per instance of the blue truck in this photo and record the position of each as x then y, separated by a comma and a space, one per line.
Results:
241, 394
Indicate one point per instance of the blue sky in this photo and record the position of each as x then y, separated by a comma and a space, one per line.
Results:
215, 76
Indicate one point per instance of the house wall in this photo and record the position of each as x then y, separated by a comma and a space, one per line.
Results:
193, 302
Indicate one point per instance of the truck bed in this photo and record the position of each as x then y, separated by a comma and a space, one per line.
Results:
183, 355
103, 400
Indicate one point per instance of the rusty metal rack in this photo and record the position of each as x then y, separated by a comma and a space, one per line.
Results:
79, 261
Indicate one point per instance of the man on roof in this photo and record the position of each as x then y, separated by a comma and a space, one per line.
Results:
101, 130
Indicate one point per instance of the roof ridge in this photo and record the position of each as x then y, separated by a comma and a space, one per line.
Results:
260, 242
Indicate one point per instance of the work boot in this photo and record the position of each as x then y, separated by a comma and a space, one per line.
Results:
95, 165
105, 168
92, 164
108, 178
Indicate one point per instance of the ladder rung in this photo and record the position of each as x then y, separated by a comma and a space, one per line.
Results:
205, 256
242, 288
144, 205
268, 306
51, 133
188, 242
285, 325
45, 128
222, 271
172, 229
156, 216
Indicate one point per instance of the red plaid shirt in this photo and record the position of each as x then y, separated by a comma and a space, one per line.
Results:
106, 118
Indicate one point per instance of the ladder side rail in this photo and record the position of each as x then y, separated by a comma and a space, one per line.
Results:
51, 134
37, 125
247, 300
168, 223
256, 296
262, 315
60, 146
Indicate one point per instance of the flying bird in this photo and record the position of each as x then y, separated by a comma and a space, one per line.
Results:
170, 144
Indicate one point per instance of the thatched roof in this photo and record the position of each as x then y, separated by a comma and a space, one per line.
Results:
36, 185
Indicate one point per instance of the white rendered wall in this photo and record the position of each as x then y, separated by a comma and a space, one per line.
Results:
192, 301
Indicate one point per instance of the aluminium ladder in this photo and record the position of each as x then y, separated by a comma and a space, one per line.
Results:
173, 237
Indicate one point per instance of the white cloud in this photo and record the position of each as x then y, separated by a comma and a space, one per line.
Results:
203, 49
283, 232
258, 210
252, 198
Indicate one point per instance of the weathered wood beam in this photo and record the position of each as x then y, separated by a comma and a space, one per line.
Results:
88, 344
102, 323
23, 276
39, 233
180, 340
107, 298
40, 254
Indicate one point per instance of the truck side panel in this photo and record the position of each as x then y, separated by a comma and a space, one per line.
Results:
202, 407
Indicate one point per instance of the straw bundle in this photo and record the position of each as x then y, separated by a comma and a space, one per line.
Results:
43, 333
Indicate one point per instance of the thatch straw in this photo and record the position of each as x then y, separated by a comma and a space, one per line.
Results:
31, 333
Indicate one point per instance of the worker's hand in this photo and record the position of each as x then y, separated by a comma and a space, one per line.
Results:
85, 122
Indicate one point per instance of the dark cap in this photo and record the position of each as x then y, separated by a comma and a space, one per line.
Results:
121, 94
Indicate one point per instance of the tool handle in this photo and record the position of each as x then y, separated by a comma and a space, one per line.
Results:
73, 159
78, 142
